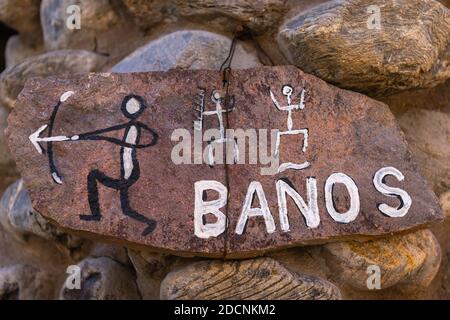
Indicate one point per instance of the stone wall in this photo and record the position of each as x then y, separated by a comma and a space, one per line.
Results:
400, 56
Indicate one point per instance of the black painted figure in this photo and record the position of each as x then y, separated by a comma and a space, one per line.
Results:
132, 107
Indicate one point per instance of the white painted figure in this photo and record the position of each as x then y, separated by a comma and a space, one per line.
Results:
218, 112
287, 92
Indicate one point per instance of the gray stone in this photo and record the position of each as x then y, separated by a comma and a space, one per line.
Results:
8, 172
13, 79
20, 220
257, 15
187, 49
17, 51
151, 268
336, 42
115, 252
24, 282
101, 26
103, 279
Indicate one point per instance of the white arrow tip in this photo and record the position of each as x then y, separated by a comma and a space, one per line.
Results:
34, 137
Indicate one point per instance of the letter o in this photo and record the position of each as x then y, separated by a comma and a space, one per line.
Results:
352, 189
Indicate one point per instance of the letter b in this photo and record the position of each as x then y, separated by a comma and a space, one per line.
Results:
205, 230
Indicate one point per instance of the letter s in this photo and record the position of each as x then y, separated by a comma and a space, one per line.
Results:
402, 195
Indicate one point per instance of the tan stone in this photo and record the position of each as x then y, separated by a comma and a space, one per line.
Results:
261, 278
259, 15
411, 259
13, 79
435, 98
428, 135
22, 16
445, 204
335, 42
151, 268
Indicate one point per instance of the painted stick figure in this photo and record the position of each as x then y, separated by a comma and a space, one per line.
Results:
287, 91
132, 107
217, 99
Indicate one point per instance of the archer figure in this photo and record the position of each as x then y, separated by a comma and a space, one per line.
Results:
132, 107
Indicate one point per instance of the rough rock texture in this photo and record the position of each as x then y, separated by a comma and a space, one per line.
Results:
257, 15
436, 98
8, 173
342, 134
412, 259
114, 252
102, 24
17, 51
23, 16
187, 49
19, 218
25, 282
333, 41
13, 79
444, 200
428, 135
261, 278
103, 279
151, 268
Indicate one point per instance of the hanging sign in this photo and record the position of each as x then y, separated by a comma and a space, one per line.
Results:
173, 162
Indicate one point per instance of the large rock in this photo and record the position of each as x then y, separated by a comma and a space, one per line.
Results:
8, 173
17, 51
187, 49
334, 42
445, 203
351, 136
435, 98
259, 15
428, 134
412, 260
114, 252
19, 218
101, 25
261, 278
25, 282
103, 278
13, 79
22, 16
151, 268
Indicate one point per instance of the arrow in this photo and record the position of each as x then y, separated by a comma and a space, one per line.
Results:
35, 138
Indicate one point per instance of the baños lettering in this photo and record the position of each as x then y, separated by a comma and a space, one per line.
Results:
307, 206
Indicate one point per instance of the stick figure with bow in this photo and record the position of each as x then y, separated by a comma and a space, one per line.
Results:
132, 107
